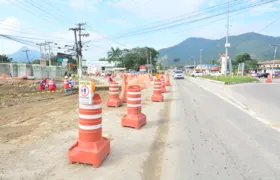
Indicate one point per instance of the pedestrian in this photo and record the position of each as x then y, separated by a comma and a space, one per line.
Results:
66, 83
52, 85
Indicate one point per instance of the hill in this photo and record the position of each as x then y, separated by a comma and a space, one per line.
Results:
257, 45
20, 56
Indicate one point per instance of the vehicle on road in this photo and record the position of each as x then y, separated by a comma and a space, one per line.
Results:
178, 75
263, 75
196, 74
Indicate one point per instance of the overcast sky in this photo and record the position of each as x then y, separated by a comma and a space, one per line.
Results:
49, 20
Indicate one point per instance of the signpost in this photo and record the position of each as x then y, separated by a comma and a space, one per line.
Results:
85, 92
142, 68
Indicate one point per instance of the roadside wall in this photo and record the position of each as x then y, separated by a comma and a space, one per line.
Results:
21, 69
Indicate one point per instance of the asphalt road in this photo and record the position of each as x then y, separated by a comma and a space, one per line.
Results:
211, 139
264, 99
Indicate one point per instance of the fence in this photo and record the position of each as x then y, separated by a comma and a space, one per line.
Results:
20, 69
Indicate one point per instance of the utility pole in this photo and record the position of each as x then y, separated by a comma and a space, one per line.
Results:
76, 44
79, 45
227, 45
151, 63
147, 60
26, 52
200, 59
40, 44
275, 53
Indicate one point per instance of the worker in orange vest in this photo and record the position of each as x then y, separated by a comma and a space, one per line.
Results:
43, 84
52, 85
66, 83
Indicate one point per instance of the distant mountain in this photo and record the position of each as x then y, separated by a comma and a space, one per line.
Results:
20, 56
188, 51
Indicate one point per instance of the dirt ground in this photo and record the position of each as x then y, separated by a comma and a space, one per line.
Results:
36, 131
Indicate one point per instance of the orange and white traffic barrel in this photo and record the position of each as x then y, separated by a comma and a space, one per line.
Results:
157, 96
163, 89
134, 117
91, 147
114, 100
167, 83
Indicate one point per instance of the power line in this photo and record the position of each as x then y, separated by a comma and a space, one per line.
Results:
183, 17
194, 21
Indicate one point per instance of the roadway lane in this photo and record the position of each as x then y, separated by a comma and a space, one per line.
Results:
264, 99
211, 139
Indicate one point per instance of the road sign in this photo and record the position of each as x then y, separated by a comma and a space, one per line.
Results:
142, 68
85, 92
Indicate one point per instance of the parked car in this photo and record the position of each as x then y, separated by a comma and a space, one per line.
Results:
178, 75
215, 73
263, 75
196, 74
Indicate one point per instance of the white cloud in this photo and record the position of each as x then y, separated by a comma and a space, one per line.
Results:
157, 9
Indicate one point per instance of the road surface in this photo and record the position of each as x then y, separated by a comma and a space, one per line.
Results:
209, 138
264, 99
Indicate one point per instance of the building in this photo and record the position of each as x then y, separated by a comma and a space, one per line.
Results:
207, 68
267, 66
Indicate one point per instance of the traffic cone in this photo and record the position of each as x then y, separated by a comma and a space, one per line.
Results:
91, 147
114, 100
157, 96
163, 89
134, 117
268, 80
151, 77
167, 83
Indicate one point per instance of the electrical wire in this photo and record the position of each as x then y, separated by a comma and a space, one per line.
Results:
196, 20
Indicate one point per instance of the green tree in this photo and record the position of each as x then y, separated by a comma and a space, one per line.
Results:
242, 58
36, 61
114, 55
5, 59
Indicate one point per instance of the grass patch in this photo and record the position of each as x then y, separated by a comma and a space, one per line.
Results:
231, 80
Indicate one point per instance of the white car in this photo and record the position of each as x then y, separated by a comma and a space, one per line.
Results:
196, 74
215, 73
178, 75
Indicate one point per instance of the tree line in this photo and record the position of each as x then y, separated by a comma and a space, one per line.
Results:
131, 58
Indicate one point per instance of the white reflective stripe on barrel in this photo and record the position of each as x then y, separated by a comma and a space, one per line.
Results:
134, 99
114, 85
157, 85
133, 93
157, 82
113, 89
133, 105
90, 116
96, 106
98, 126
157, 89
113, 92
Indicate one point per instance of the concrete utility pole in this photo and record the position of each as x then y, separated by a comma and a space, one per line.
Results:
275, 53
147, 60
200, 59
26, 52
151, 63
227, 45
76, 43
40, 44
79, 45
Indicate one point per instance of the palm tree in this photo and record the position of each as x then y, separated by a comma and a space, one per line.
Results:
114, 55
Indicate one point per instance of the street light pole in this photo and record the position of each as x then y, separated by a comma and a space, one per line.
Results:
200, 59
275, 52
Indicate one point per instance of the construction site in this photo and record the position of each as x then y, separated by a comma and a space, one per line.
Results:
37, 128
